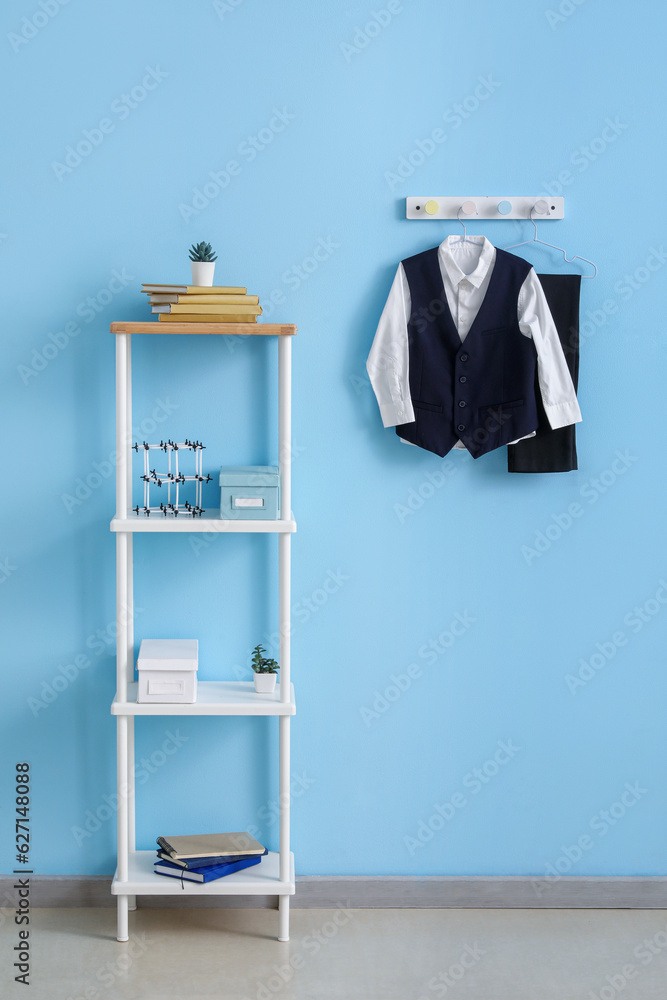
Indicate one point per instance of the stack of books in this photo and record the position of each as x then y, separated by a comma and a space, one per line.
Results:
202, 304
204, 857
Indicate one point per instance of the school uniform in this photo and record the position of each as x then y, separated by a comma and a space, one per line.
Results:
465, 344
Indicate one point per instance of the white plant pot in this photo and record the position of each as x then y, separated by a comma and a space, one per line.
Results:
265, 683
202, 272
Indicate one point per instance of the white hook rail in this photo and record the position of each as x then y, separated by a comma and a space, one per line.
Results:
485, 207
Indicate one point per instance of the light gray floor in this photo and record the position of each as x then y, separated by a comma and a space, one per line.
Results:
355, 955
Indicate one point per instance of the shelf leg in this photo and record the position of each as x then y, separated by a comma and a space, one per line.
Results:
129, 666
130, 783
129, 599
285, 458
123, 829
285, 424
283, 918
128, 425
284, 796
122, 931
284, 584
123, 430
132, 900
124, 625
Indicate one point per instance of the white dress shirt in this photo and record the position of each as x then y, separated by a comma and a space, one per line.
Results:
466, 269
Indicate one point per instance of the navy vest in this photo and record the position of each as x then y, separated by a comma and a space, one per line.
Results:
481, 391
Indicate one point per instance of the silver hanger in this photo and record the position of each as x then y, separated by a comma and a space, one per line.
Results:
553, 246
465, 238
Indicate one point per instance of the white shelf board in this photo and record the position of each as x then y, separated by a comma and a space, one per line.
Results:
260, 880
213, 698
210, 522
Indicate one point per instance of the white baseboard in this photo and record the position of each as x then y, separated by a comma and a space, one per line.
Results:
372, 891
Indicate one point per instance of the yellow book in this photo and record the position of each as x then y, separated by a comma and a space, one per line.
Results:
196, 289
213, 307
204, 318
223, 300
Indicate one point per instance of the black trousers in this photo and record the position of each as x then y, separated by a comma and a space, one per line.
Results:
554, 450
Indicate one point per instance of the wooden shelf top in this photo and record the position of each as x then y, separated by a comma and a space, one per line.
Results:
230, 329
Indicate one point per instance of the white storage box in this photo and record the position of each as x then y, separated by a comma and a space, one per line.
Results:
167, 670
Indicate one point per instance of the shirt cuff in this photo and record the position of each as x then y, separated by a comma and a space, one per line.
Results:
563, 414
397, 413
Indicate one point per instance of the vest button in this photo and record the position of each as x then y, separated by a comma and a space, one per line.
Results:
462, 402
461, 427
463, 379
464, 357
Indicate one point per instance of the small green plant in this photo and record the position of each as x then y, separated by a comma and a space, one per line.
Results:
202, 252
262, 665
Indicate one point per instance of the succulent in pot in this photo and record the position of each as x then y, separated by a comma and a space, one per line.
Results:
202, 263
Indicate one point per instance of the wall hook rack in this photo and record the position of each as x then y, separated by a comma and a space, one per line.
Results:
485, 207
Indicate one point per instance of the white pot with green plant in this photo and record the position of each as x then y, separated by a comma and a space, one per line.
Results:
265, 671
202, 263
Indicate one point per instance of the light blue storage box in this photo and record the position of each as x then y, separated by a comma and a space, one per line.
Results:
249, 491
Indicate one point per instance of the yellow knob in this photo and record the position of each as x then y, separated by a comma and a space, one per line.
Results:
431, 207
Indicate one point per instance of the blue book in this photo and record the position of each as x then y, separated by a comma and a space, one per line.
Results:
196, 863
208, 874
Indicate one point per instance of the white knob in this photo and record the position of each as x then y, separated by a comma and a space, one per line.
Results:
469, 208
541, 207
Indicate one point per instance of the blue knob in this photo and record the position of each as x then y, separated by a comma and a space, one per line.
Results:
505, 207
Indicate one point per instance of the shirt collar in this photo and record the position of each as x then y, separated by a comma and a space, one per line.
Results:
448, 256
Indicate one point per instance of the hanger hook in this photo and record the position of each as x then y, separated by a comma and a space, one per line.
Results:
458, 216
530, 216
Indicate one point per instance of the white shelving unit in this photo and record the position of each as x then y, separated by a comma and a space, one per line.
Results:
134, 876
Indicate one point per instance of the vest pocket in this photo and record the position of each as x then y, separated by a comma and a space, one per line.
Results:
503, 406
421, 405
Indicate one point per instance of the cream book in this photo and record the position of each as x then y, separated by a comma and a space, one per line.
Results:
196, 289
205, 845
207, 307
157, 299
206, 318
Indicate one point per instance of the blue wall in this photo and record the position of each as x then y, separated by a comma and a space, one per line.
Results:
547, 633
